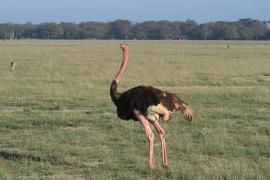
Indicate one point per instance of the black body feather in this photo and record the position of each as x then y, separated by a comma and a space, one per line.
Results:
140, 98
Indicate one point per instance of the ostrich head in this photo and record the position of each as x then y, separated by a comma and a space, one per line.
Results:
124, 46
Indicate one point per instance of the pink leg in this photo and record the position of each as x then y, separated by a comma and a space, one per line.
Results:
150, 136
161, 134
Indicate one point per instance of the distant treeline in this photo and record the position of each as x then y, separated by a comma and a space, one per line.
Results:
243, 29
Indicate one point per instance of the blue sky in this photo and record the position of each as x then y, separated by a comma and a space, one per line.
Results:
37, 11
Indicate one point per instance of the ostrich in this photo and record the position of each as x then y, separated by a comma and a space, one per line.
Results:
147, 105
228, 45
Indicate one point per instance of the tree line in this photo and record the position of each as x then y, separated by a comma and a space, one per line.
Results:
243, 29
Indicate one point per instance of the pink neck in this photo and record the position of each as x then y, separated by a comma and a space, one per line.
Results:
123, 66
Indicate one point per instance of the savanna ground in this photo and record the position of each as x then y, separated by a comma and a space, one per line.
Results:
57, 120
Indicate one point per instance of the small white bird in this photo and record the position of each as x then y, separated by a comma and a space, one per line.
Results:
12, 66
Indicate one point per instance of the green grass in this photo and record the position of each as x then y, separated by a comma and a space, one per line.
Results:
57, 120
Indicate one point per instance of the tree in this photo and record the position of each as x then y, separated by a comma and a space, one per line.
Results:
165, 30
243, 29
205, 31
178, 30
120, 29
258, 28
231, 32
24, 31
267, 35
7, 31
244, 32
138, 31
70, 31
191, 29
151, 30
49, 31
146, 30
94, 30
224, 30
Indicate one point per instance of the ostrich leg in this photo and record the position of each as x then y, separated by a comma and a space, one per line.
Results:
161, 134
150, 136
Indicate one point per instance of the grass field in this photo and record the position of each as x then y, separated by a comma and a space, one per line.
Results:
57, 120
